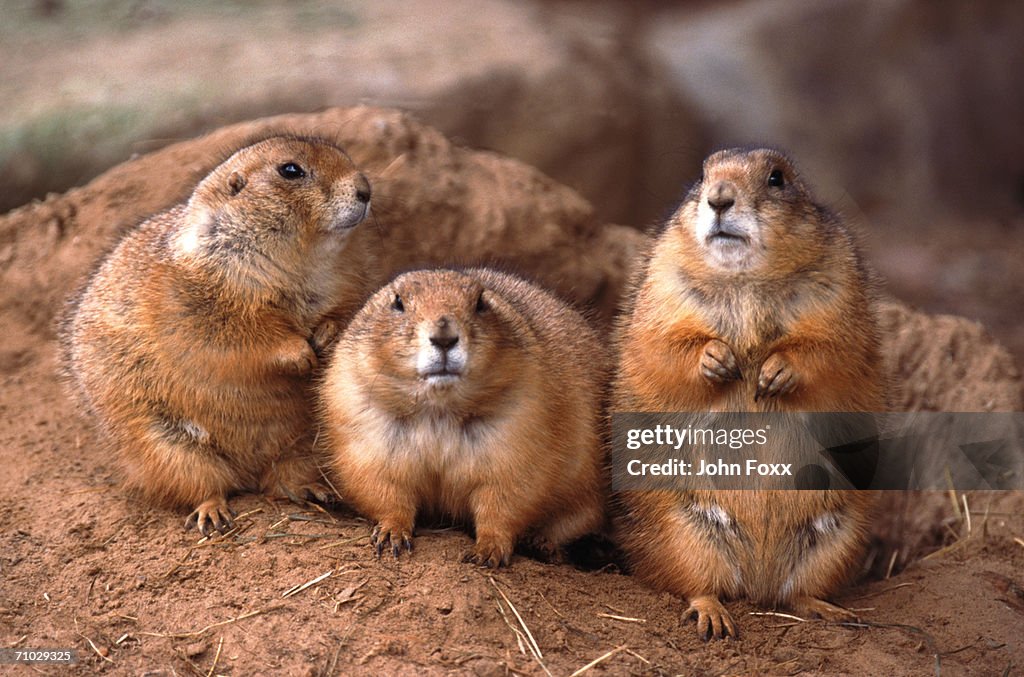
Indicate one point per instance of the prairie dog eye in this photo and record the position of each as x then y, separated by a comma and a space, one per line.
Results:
290, 171
776, 179
397, 304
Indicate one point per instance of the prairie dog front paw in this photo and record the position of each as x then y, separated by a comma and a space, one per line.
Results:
718, 363
777, 378
296, 357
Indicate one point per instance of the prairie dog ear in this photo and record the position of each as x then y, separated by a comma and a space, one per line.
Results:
490, 302
236, 182
483, 302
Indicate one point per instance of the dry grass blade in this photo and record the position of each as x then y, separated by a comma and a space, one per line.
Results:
299, 517
348, 594
308, 537
179, 563
627, 619
929, 641
92, 645
208, 541
516, 631
531, 642
778, 615
189, 663
216, 657
880, 592
557, 612
278, 523
952, 497
967, 512
197, 633
89, 490
636, 655
294, 590
120, 525
320, 469
892, 563
1019, 541
946, 550
597, 661
345, 541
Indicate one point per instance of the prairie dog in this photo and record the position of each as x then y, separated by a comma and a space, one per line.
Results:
754, 298
193, 342
473, 395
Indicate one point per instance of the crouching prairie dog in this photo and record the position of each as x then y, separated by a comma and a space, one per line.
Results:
472, 395
753, 298
193, 342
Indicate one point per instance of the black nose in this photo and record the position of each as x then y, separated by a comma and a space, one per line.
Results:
444, 341
720, 203
721, 196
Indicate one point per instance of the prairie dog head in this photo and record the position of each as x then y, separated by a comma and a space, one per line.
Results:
438, 337
274, 208
749, 212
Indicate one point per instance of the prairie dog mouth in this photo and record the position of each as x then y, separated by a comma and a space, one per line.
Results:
731, 241
442, 378
446, 370
723, 231
441, 370
351, 217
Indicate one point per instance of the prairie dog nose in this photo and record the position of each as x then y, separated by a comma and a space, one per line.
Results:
362, 188
443, 336
722, 196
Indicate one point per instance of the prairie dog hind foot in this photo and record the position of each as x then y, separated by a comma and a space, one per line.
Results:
713, 620
298, 479
393, 536
213, 514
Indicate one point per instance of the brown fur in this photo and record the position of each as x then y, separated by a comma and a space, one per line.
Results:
193, 342
513, 444
792, 329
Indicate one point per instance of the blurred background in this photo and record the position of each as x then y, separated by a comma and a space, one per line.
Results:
907, 116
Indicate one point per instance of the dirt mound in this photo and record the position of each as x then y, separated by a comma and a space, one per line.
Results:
83, 566
946, 363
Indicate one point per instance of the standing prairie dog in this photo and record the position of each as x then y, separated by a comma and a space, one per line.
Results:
754, 298
193, 342
472, 395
